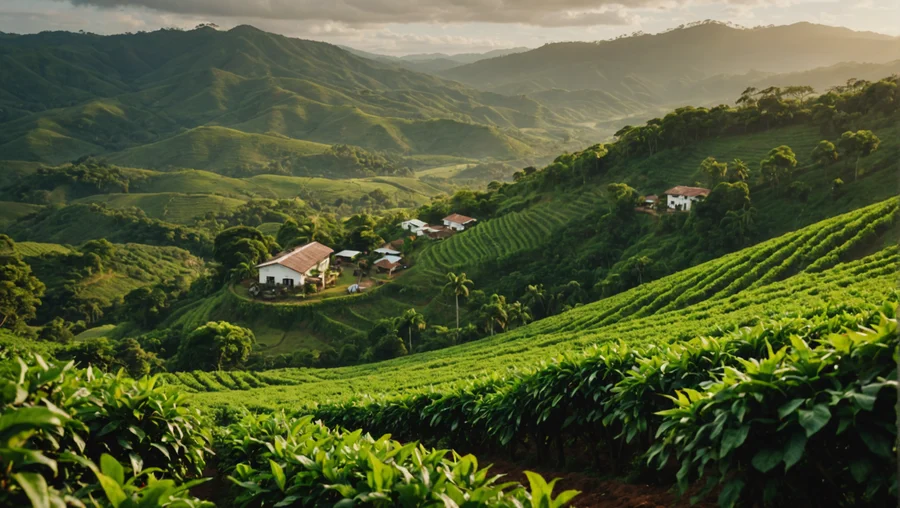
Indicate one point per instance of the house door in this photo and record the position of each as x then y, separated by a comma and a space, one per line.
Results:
288, 282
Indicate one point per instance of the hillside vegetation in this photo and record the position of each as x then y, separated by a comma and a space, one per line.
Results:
823, 264
243, 96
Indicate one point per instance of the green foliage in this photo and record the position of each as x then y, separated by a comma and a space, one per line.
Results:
825, 152
735, 290
77, 223
59, 421
613, 394
20, 290
860, 144
778, 166
83, 177
316, 95
714, 170
216, 346
242, 245
279, 460
800, 413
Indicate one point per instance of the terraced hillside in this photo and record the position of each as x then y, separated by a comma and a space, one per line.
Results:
510, 233
847, 260
288, 327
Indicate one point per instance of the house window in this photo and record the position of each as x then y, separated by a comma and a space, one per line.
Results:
270, 280
288, 282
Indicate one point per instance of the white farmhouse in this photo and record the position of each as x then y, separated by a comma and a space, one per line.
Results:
458, 222
681, 197
294, 268
412, 225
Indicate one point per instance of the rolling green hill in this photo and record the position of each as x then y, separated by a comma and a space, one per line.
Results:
170, 207
255, 94
75, 291
836, 262
214, 148
556, 228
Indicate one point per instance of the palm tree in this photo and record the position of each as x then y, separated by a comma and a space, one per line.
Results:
412, 319
518, 313
534, 295
494, 312
363, 267
244, 270
640, 264
458, 285
740, 170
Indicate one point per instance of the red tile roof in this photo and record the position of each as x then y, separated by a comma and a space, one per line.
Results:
302, 258
690, 192
459, 219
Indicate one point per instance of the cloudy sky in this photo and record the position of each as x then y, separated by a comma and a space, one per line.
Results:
452, 26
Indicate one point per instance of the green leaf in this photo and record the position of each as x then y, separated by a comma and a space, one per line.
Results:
877, 443
732, 439
278, 473
137, 463
30, 417
790, 407
111, 467
865, 402
113, 490
564, 497
815, 419
731, 492
766, 459
793, 451
860, 469
35, 488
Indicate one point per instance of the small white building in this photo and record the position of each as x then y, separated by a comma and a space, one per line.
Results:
293, 268
458, 222
386, 251
389, 259
682, 198
347, 255
412, 225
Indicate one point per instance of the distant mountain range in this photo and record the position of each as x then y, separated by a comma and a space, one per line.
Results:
64, 95
230, 101
435, 62
653, 63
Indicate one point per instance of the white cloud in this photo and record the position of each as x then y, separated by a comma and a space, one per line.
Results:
544, 13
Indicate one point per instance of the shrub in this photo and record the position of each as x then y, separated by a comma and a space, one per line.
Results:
296, 461
48, 452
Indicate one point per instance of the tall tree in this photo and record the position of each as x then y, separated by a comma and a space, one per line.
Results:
740, 171
242, 244
778, 165
536, 298
412, 320
20, 290
458, 285
518, 313
640, 263
495, 312
714, 170
825, 153
217, 345
859, 143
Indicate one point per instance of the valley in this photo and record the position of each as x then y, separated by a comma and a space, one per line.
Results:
662, 267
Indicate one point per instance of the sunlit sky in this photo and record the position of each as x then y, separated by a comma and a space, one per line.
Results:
399, 27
